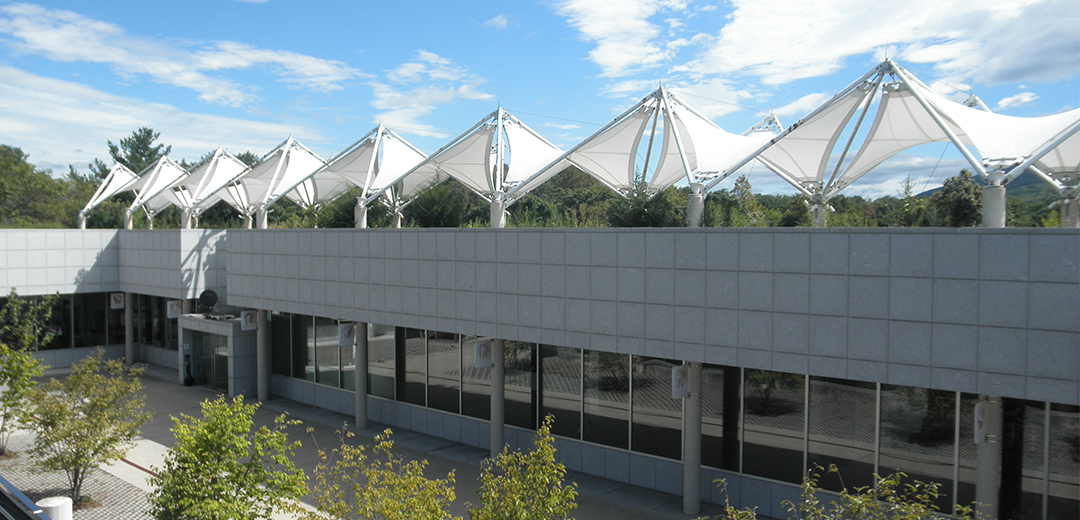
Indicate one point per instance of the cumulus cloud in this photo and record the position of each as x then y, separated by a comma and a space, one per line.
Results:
498, 23
626, 40
802, 106
1022, 98
67, 36
416, 88
37, 112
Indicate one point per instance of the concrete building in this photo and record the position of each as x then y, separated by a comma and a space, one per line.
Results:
876, 350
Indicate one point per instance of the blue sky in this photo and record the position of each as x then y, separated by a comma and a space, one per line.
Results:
246, 75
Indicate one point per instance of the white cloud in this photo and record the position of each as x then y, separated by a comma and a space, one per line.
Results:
60, 123
713, 97
562, 126
980, 40
498, 23
802, 106
68, 36
416, 88
626, 41
1022, 98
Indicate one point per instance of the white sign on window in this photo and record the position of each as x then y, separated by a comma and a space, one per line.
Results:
346, 334
116, 300
980, 422
174, 309
680, 381
483, 354
249, 320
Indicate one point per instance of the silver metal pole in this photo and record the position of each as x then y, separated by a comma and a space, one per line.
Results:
360, 374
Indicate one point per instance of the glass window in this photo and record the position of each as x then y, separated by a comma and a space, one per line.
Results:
327, 352
721, 406
381, 360
843, 426
918, 436
90, 326
520, 386
348, 366
412, 366
1064, 495
116, 323
773, 425
657, 418
1023, 446
560, 369
303, 353
280, 344
476, 377
607, 399
444, 371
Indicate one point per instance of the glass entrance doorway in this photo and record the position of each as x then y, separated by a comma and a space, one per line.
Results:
210, 363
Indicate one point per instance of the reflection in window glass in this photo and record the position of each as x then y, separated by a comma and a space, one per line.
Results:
412, 366
1064, 499
90, 322
607, 399
917, 436
280, 344
116, 323
302, 356
348, 366
657, 418
561, 393
842, 423
520, 383
721, 406
476, 377
444, 371
381, 361
327, 352
773, 425
1023, 473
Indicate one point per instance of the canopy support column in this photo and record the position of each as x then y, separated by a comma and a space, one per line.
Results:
695, 205
128, 224
185, 219
498, 400
988, 473
262, 219
360, 375
395, 217
498, 211
819, 214
994, 202
149, 221
129, 329
360, 214
692, 442
247, 221
82, 221
1070, 212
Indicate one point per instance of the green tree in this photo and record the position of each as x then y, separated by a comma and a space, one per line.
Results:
26, 327
350, 483
749, 211
640, 208
959, 201
136, 151
222, 468
87, 419
28, 195
526, 486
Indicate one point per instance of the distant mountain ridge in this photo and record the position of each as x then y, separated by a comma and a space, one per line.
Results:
1026, 187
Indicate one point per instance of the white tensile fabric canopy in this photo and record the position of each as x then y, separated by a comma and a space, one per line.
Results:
371, 163
160, 176
200, 188
282, 172
496, 154
911, 114
693, 147
119, 179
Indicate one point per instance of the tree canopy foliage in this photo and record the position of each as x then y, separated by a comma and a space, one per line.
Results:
25, 329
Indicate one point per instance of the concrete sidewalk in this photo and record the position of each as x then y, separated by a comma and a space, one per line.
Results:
597, 499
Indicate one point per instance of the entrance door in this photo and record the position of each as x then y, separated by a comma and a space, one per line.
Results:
211, 360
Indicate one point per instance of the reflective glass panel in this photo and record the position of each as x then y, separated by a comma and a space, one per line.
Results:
348, 366
843, 422
607, 399
520, 383
561, 389
412, 366
773, 425
656, 417
280, 344
476, 377
917, 436
303, 347
116, 323
721, 406
381, 360
90, 319
444, 371
327, 352
1064, 495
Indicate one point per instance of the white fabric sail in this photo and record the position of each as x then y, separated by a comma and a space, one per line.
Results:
283, 173
528, 153
224, 170
610, 156
398, 157
160, 176
119, 179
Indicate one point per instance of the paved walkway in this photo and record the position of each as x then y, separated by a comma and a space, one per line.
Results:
123, 486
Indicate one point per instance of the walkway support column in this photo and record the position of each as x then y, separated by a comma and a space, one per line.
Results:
185, 219
695, 205
262, 220
360, 374
247, 221
82, 221
819, 214
1070, 210
498, 400
988, 477
994, 202
692, 442
129, 328
262, 355
498, 211
128, 224
395, 218
360, 214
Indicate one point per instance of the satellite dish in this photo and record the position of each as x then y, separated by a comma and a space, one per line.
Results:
207, 300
